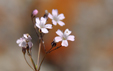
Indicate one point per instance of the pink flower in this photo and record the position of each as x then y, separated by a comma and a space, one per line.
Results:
35, 12
64, 37
56, 18
25, 41
41, 24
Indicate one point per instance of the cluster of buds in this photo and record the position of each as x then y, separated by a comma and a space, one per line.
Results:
42, 27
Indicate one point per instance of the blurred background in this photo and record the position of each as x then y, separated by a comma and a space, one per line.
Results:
91, 21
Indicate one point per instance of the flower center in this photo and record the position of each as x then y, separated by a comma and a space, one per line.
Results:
42, 25
64, 37
55, 18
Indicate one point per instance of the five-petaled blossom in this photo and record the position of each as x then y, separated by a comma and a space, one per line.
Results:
41, 24
64, 37
56, 18
25, 41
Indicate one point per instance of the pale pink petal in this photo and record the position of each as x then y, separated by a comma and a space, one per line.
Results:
43, 20
30, 44
67, 32
44, 30
61, 16
49, 26
64, 43
37, 20
54, 22
61, 23
57, 39
71, 38
18, 41
55, 12
59, 32
50, 16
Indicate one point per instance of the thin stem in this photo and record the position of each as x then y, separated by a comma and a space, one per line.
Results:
33, 63
45, 56
39, 54
41, 62
27, 62
54, 49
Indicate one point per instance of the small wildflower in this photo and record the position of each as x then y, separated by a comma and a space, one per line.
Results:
21, 42
41, 24
64, 37
25, 41
56, 18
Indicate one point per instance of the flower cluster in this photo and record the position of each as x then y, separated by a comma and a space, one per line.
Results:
42, 29
25, 41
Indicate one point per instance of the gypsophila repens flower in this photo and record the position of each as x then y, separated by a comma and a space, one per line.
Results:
56, 18
41, 24
64, 37
25, 41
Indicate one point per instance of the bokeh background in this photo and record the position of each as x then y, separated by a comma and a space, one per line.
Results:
91, 21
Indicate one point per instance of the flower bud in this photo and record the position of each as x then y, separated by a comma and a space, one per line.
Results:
34, 13
53, 44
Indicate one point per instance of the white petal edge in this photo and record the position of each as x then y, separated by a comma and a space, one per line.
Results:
64, 43
57, 39
37, 20
71, 37
61, 23
61, 16
44, 30
59, 32
54, 22
49, 26
50, 16
55, 12
37, 25
67, 32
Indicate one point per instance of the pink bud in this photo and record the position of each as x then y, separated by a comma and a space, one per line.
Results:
35, 12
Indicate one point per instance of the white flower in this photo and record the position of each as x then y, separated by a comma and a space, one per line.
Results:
56, 18
41, 24
64, 37
25, 41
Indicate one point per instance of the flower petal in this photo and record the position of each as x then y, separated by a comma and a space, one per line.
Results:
37, 20
67, 32
38, 25
61, 16
43, 20
30, 44
55, 12
44, 30
59, 32
71, 37
61, 23
57, 39
64, 43
50, 16
54, 22
49, 26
